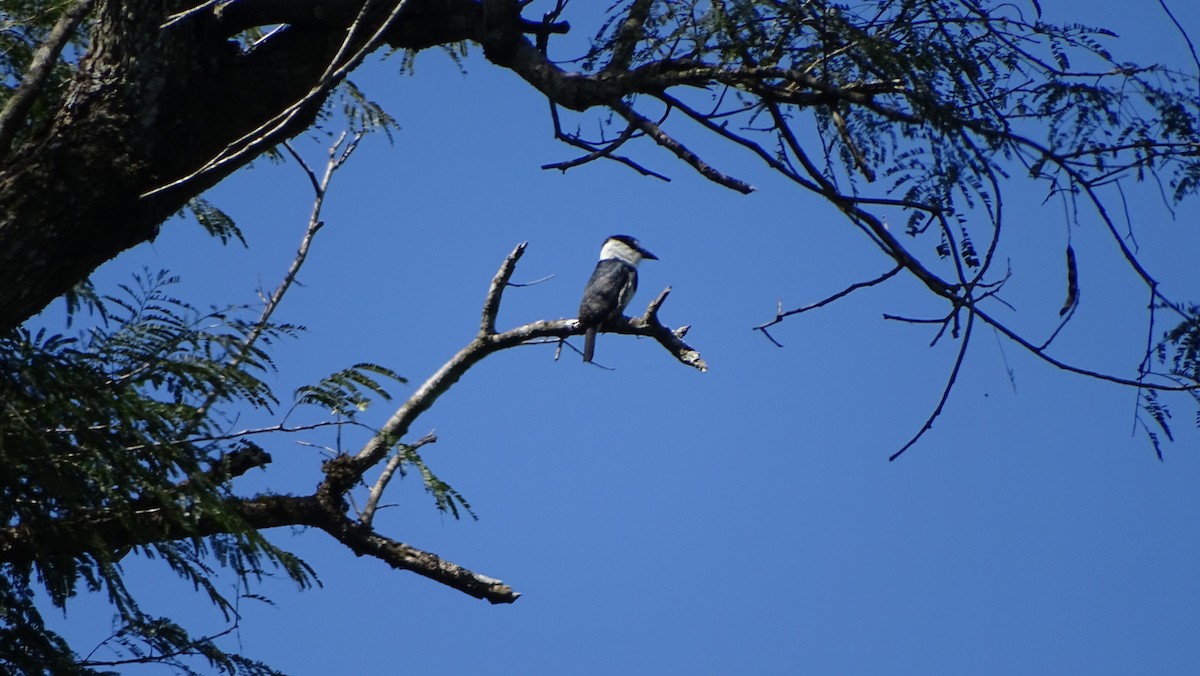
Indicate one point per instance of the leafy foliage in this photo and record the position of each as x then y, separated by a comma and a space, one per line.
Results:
108, 426
920, 111
348, 391
214, 221
118, 433
446, 498
919, 108
1179, 352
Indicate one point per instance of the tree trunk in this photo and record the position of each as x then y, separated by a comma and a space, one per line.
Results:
153, 104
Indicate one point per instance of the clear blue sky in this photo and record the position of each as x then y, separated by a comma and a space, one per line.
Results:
658, 520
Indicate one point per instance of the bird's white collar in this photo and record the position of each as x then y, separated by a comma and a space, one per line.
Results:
615, 248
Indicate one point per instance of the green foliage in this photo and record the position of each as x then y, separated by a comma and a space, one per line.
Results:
158, 640
1180, 347
446, 498
347, 392
103, 442
214, 221
938, 97
115, 440
360, 112
457, 51
1179, 352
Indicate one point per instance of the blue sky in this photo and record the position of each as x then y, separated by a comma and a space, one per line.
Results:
745, 520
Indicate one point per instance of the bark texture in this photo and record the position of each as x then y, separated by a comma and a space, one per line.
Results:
154, 100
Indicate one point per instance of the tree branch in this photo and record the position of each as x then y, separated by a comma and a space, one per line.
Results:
393, 463
36, 75
366, 542
345, 471
780, 314
103, 532
681, 151
950, 380
350, 53
491, 304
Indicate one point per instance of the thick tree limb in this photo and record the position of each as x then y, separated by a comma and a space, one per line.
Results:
34, 82
19, 545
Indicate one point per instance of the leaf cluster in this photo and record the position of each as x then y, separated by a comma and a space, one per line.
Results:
115, 426
1179, 352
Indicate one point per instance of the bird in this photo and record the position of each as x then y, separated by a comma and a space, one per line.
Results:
610, 287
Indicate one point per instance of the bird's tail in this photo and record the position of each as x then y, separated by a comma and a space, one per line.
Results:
589, 344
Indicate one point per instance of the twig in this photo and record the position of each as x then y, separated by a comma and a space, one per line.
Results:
604, 151
1186, 38
520, 285
191, 11
271, 429
156, 657
958, 361
491, 303
681, 151
780, 314
1016, 338
401, 454
594, 152
337, 157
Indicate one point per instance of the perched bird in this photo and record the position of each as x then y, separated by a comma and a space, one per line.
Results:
611, 286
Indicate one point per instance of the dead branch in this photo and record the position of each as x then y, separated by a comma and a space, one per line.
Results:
601, 150
780, 314
681, 151
343, 472
950, 380
366, 542
338, 155
491, 304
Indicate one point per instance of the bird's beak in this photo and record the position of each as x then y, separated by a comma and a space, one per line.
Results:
647, 254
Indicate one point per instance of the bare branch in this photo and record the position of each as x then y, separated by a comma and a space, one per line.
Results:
780, 314
365, 542
1016, 338
958, 361
344, 471
681, 151
491, 304
393, 463
605, 151
336, 159
671, 340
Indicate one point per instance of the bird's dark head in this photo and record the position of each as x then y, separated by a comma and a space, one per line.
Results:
626, 248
